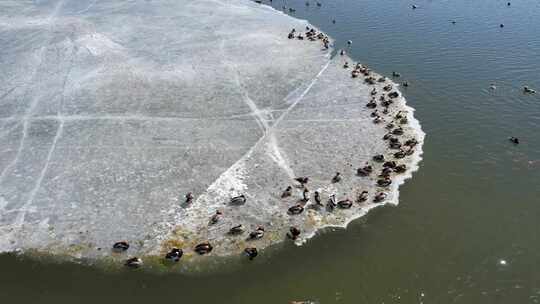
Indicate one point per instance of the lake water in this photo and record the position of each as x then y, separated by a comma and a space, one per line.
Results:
466, 229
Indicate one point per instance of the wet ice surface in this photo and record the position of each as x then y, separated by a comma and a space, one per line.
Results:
110, 112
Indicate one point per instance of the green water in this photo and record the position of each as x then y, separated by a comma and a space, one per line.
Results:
473, 204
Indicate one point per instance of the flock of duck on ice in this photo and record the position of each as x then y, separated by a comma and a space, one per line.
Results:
386, 165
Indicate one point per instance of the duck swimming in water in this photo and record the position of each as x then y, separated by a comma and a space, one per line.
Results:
394, 74
203, 248
514, 140
120, 246
251, 252
257, 234
174, 255
296, 209
287, 192
238, 200
379, 197
215, 218
526, 89
341, 52
189, 198
238, 229
378, 158
345, 204
134, 262
293, 233
364, 171
362, 197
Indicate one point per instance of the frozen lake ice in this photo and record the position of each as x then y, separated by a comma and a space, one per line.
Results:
110, 112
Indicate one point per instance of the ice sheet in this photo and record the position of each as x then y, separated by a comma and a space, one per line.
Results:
110, 112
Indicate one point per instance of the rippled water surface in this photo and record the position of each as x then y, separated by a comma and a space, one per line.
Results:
466, 229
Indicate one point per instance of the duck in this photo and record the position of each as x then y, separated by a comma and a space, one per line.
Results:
355, 73
293, 233
526, 89
393, 94
371, 105
395, 145
414, 6
251, 252
404, 121
384, 182
377, 120
238, 200
120, 246
385, 172
381, 79
291, 10
400, 154
362, 197
189, 198
257, 233
364, 171
514, 140
300, 37
346, 65
345, 204
317, 198
319, 4
389, 164
331, 204
203, 248
378, 158
390, 126
398, 131
385, 111
387, 136
215, 218
174, 255
405, 84
238, 229
133, 262
287, 192
336, 178
379, 197
341, 52
411, 142
400, 169
307, 3
387, 88
501, 25
349, 42
373, 92
296, 209
302, 180
305, 195
394, 74
333, 21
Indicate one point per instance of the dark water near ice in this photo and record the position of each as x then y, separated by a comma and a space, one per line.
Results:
474, 203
